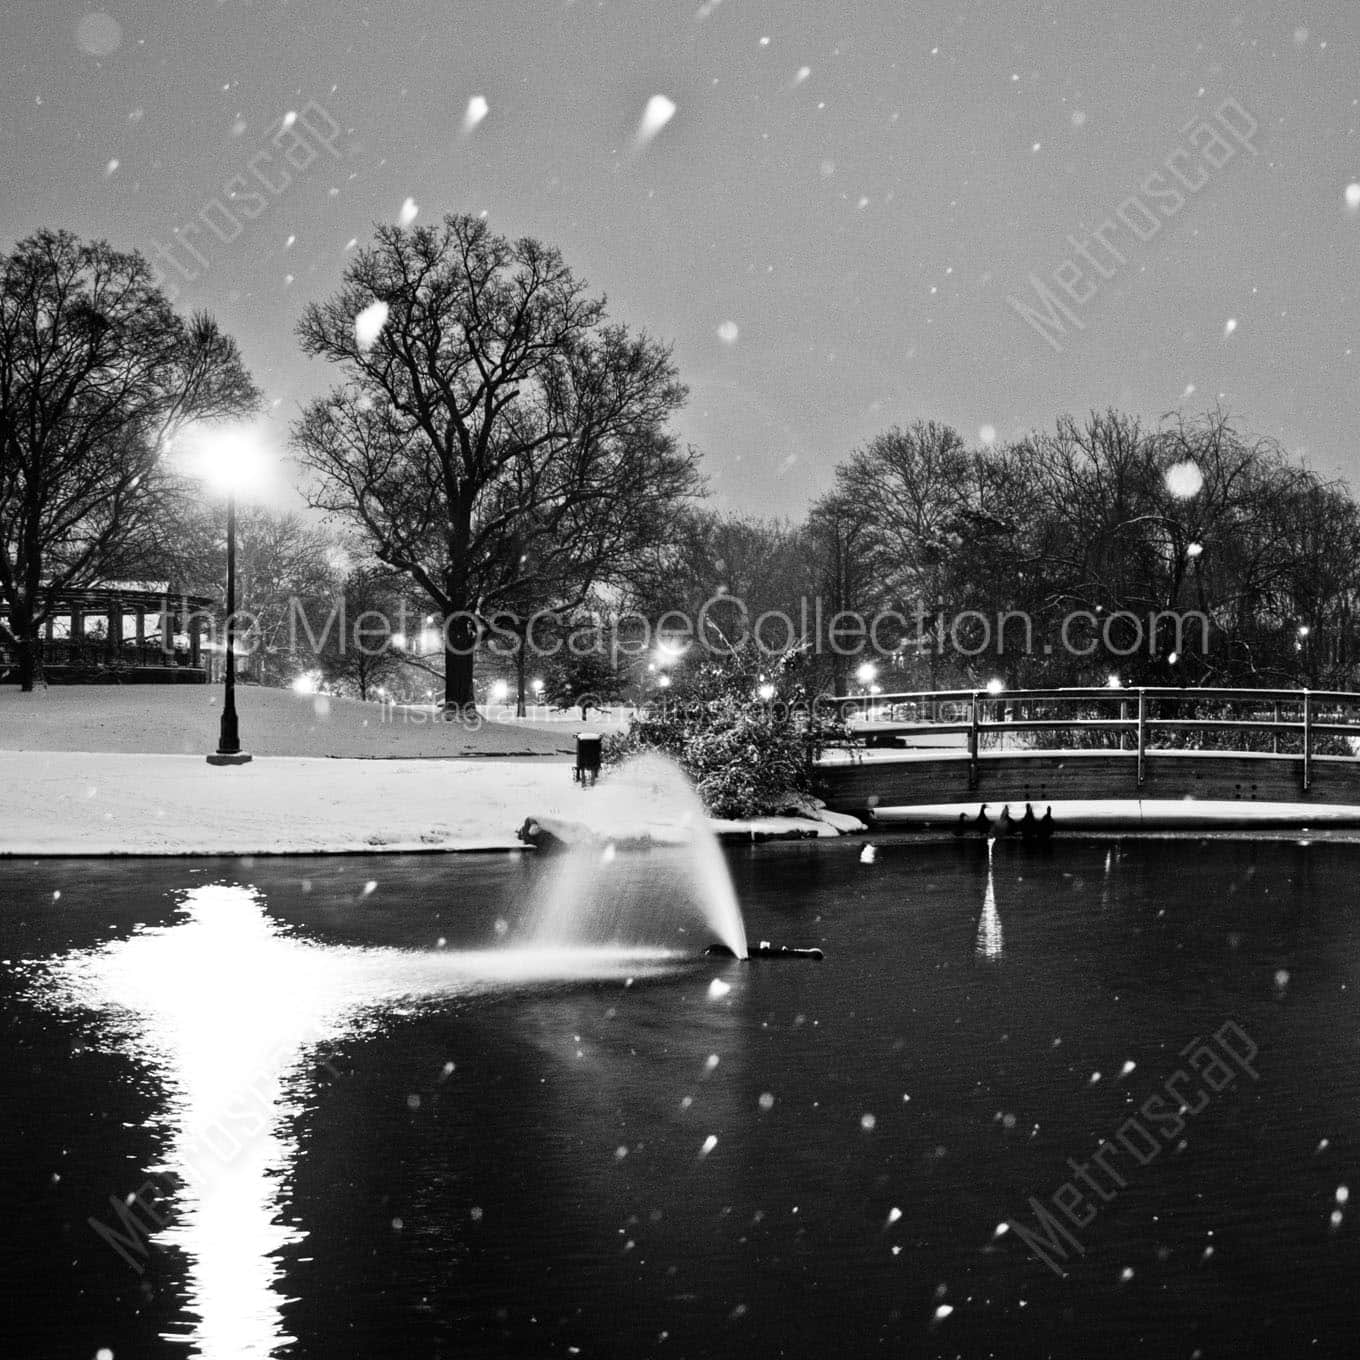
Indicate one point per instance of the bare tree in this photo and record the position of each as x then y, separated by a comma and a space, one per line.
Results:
96, 374
496, 440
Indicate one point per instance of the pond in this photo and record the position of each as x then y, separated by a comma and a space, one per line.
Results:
1098, 1097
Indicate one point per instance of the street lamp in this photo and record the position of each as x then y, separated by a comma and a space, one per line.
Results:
229, 459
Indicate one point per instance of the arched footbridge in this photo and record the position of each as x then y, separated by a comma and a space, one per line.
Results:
1098, 756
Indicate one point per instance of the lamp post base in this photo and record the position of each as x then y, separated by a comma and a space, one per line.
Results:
230, 758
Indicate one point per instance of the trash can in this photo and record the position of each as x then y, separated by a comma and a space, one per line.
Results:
588, 754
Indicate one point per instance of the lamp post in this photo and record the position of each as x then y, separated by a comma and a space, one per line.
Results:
229, 735
229, 460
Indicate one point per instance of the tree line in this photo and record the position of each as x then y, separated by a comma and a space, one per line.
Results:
495, 450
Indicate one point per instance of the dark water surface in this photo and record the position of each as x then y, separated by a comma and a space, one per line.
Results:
356, 1132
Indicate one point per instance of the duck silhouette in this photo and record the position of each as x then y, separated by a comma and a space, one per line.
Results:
1005, 823
1046, 826
1029, 823
982, 822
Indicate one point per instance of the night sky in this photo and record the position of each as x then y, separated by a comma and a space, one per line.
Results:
829, 225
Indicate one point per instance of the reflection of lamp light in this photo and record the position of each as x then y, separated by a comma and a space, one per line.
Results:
1112, 682
500, 691
306, 683
664, 681
538, 687
766, 691
228, 1065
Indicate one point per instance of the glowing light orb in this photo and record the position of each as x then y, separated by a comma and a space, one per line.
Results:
1184, 479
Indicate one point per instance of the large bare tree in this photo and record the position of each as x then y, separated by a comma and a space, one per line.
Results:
97, 372
494, 438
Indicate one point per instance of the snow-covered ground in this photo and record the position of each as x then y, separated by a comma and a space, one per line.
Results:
1131, 814
183, 719
112, 803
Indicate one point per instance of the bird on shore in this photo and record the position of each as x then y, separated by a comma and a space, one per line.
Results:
1046, 826
982, 822
1029, 823
961, 826
1005, 823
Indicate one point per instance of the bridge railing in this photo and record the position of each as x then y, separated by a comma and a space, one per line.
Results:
1301, 724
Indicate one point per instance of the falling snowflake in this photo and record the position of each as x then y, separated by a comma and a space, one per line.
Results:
655, 116
1353, 197
718, 988
477, 109
111, 168
99, 34
369, 323
1229, 326
987, 434
408, 212
709, 1144
802, 74
728, 332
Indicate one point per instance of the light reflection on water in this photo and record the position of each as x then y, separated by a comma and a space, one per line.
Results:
225, 1007
989, 938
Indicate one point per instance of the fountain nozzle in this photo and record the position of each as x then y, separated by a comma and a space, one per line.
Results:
764, 950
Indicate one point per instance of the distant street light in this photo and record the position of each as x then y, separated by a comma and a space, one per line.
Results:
500, 691
1112, 682
867, 673
995, 685
766, 691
